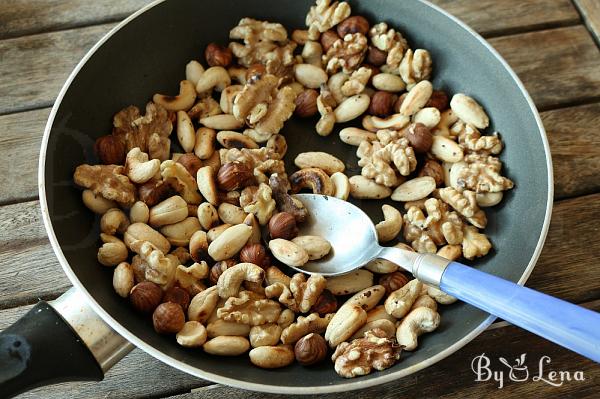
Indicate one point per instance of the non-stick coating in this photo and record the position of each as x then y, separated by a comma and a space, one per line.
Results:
149, 54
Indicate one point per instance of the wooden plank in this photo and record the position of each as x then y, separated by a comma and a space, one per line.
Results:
34, 68
28, 268
590, 9
575, 146
454, 378
20, 140
558, 66
25, 17
490, 17
138, 375
575, 151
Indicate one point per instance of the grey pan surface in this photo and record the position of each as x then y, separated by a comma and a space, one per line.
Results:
147, 54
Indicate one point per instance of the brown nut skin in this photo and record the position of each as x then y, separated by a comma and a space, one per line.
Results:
434, 169
155, 191
355, 24
382, 104
168, 318
234, 175
254, 253
145, 296
217, 55
420, 137
439, 99
326, 303
310, 349
328, 38
110, 150
218, 269
255, 70
191, 162
306, 103
177, 295
283, 225
399, 102
393, 281
376, 57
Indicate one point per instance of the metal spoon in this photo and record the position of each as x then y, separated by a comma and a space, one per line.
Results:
354, 243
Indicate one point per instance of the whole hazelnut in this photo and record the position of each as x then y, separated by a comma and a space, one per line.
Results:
439, 99
168, 318
399, 102
177, 295
310, 349
217, 55
355, 24
326, 303
382, 103
154, 191
420, 137
253, 253
191, 162
328, 38
255, 70
393, 281
234, 175
110, 150
218, 269
306, 103
283, 225
145, 296
376, 57
434, 169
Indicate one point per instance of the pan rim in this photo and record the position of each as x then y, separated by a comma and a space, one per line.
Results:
357, 384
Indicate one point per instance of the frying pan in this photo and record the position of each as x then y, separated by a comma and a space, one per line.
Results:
146, 54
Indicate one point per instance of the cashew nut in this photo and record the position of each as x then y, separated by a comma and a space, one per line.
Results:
355, 136
424, 301
185, 131
199, 246
123, 279
137, 233
271, 357
390, 227
488, 199
221, 327
418, 321
321, 160
231, 279
383, 266
315, 246
237, 73
139, 212
393, 122
138, 168
113, 251
350, 283
416, 98
288, 252
114, 221
214, 77
193, 71
227, 97
227, 346
205, 142
314, 178
341, 185
205, 179
364, 188
440, 296
203, 304
230, 242
400, 301
352, 107
265, 335
172, 210
181, 102
388, 327
278, 144
192, 335
335, 84
96, 202
207, 215
222, 122
229, 139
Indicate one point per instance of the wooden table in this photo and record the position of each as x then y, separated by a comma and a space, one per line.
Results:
551, 44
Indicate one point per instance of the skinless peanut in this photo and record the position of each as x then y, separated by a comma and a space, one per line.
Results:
139, 213
229, 242
429, 117
270, 357
169, 211
185, 131
204, 145
221, 327
137, 233
310, 76
446, 149
179, 233
227, 346
123, 280
341, 185
231, 214
364, 188
322, 160
96, 202
388, 82
351, 108
355, 136
417, 98
469, 111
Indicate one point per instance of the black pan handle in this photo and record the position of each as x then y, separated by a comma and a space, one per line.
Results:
52, 344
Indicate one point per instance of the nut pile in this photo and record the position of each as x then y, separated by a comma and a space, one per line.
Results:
184, 229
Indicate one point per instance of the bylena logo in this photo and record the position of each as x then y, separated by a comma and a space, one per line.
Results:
519, 372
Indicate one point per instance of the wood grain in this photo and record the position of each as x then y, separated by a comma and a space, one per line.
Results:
34, 68
590, 9
491, 17
24, 17
575, 151
575, 145
29, 269
558, 66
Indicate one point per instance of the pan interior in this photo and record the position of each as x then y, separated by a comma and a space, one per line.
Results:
148, 55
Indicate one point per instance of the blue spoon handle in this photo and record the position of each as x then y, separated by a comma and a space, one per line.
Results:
568, 325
